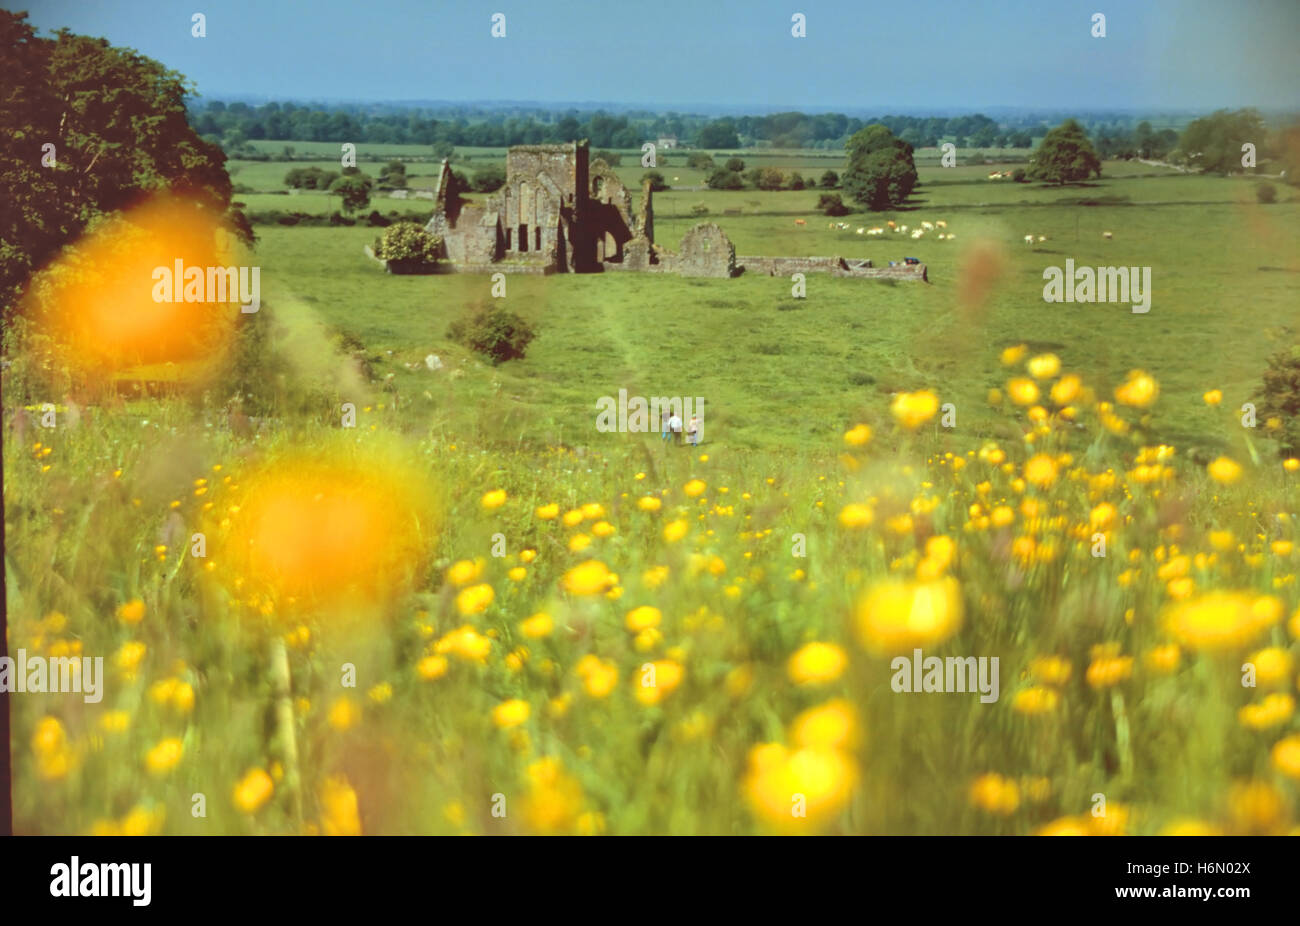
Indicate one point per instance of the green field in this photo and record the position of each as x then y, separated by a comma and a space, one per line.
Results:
758, 355
764, 579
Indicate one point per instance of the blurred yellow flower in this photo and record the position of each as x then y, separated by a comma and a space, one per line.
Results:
643, 618
657, 680
913, 409
340, 815
995, 794
817, 664
1213, 397
1224, 471
858, 435
832, 725
1220, 619
801, 791
676, 530
1286, 756
589, 578
1036, 700
494, 499
431, 668
897, 616
475, 599
1011, 356
131, 612
1023, 391
649, 503
547, 512
1140, 390
464, 572
1044, 366
511, 713
855, 516
253, 790
164, 757
538, 626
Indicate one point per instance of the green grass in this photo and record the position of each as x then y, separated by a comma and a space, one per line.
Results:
758, 356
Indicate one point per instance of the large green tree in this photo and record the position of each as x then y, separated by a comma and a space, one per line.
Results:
1214, 142
116, 122
881, 173
1065, 156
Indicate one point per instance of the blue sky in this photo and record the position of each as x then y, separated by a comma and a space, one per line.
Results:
858, 54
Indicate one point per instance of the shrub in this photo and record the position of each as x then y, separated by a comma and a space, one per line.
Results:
488, 179
1018, 175
1279, 398
657, 181
796, 181
336, 219
375, 220
494, 332
724, 179
407, 241
831, 204
612, 158
700, 160
735, 164
1265, 193
830, 180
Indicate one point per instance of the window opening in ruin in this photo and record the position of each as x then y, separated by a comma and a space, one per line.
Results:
537, 238
508, 238
523, 236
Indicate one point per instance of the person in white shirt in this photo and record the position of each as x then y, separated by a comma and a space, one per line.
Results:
675, 425
693, 431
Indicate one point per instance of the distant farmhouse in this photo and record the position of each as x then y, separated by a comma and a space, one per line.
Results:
558, 212
666, 141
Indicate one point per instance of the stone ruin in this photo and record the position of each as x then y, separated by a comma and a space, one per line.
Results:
559, 212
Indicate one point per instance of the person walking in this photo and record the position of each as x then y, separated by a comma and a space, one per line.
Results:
675, 425
693, 431
665, 426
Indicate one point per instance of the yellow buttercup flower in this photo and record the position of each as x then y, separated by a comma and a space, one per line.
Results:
599, 677
676, 530
494, 499
832, 725
1286, 756
1272, 665
995, 794
801, 791
1011, 355
894, 617
643, 618
1221, 619
1044, 366
589, 578
432, 667
464, 572
253, 790
1040, 470
343, 713
538, 626
817, 664
1224, 471
1036, 700
164, 757
511, 713
656, 680
1140, 390
1066, 389
858, 435
1051, 670
131, 612
649, 503
855, 516
1213, 397
913, 409
340, 815
475, 599
547, 512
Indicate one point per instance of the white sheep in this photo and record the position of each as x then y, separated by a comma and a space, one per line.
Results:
941, 224
1029, 239
1106, 235
927, 226
1042, 238
918, 233
860, 231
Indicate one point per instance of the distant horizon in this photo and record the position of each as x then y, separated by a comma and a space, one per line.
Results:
940, 56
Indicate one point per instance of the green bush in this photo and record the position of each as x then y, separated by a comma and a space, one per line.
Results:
831, 204
494, 332
407, 241
1279, 397
1265, 193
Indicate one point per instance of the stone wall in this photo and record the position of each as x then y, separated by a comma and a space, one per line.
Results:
835, 266
706, 251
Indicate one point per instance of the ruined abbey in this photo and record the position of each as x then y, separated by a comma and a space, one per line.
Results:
559, 212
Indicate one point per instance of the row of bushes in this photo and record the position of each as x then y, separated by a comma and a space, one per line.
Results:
374, 220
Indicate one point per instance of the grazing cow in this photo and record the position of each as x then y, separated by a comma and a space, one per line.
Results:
941, 224
800, 222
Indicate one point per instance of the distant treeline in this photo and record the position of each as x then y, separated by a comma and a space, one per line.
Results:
235, 124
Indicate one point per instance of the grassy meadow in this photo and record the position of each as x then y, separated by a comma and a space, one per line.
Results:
473, 612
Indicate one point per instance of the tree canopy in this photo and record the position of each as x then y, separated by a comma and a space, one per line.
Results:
1065, 156
117, 124
881, 173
